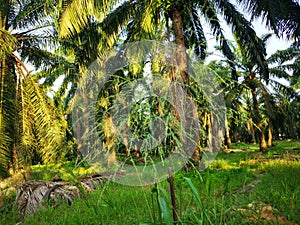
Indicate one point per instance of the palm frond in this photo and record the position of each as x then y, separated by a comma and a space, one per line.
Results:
6, 139
146, 21
253, 47
75, 14
49, 125
280, 15
193, 31
118, 19
286, 90
209, 12
279, 73
7, 116
5, 155
31, 13
281, 56
7, 43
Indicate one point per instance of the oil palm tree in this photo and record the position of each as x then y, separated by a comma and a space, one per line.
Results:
30, 128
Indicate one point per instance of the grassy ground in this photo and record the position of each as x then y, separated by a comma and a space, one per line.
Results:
241, 186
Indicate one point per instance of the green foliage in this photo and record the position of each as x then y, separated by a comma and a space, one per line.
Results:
32, 130
285, 191
30, 127
167, 216
281, 16
212, 196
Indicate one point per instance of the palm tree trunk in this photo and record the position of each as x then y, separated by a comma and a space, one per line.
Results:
270, 136
294, 131
236, 135
181, 56
213, 135
258, 120
110, 131
250, 131
209, 132
126, 143
227, 134
179, 40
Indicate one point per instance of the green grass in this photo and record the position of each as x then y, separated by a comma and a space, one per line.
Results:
280, 187
218, 195
112, 204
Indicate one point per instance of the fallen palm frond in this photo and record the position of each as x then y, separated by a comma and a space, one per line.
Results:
92, 183
36, 194
32, 195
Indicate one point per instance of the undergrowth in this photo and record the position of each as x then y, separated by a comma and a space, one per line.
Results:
222, 194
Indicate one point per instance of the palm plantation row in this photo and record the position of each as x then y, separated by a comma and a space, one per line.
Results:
61, 39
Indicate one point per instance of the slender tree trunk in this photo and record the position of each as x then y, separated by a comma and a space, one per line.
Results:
227, 134
126, 143
250, 131
110, 131
209, 132
178, 72
214, 140
270, 136
236, 135
258, 120
294, 131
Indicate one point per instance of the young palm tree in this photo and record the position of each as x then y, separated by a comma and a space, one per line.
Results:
30, 128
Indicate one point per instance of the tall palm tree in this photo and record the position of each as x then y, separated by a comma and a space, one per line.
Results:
29, 124
252, 81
